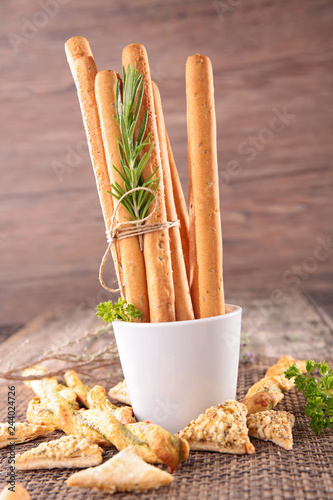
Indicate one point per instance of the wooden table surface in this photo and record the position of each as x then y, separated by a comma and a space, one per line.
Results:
270, 59
297, 327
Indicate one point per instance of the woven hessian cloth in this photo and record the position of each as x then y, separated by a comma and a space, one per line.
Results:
306, 472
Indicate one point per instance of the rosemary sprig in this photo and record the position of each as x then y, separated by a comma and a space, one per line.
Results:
130, 149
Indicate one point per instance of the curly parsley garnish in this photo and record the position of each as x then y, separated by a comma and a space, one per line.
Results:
318, 392
109, 311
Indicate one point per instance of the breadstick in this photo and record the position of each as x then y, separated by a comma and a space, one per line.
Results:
205, 222
183, 303
133, 265
181, 208
156, 244
84, 71
75, 48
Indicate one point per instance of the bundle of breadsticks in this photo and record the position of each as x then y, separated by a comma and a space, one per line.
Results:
176, 274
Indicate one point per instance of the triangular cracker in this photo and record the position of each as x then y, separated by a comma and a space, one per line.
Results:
125, 471
221, 428
120, 393
263, 395
271, 425
22, 432
66, 452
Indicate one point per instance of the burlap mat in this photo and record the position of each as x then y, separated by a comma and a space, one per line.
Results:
306, 472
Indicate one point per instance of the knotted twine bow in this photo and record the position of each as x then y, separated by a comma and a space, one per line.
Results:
123, 230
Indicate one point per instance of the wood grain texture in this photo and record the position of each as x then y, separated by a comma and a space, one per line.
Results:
296, 327
269, 58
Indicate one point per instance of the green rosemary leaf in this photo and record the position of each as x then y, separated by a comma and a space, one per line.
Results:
130, 134
143, 161
133, 159
141, 166
120, 192
148, 202
120, 174
150, 179
124, 75
142, 128
127, 205
119, 188
126, 79
137, 150
126, 146
118, 102
121, 150
139, 101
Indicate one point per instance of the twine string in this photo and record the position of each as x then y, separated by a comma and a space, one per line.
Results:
122, 230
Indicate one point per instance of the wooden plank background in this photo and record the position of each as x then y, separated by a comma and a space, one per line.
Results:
269, 58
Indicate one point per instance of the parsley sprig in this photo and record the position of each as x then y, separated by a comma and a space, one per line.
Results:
318, 392
110, 311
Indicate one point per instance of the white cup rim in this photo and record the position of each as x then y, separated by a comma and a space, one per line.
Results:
234, 311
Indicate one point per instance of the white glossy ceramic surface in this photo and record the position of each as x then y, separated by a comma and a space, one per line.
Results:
174, 371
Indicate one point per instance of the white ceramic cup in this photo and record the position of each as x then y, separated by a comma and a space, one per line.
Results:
174, 371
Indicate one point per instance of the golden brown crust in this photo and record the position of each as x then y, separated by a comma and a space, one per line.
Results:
97, 399
133, 264
153, 443
268, 392
77, 47
205, 221
74, 382
221, 428
65, 452
266, 384
126, 471
77, 423
103, 428
156, 244
265, 394
40, 413
181, 208
84, 71
120, 435
170, 449
120, 393
183, 302
275, 426
262, 401
47, 386
283, 363
22, 432
61, 413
